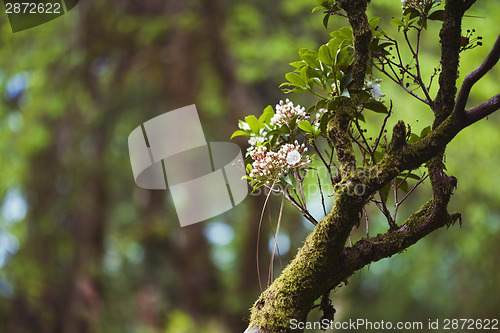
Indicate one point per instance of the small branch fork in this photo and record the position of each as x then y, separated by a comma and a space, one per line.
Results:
486, 108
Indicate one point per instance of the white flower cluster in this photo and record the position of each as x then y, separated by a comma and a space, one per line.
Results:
375, 90
254, 140
285, 111
274, 165
417, 4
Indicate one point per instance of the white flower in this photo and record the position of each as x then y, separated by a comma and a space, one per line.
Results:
376, 92
256, 139
271, 166
285, 111
293, 157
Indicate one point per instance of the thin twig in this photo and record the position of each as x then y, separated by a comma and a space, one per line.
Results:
322, 197
366, 222
304, 212
385, 211
384, 124
275, 246
258, 236
402, 86
424, 177
328, 166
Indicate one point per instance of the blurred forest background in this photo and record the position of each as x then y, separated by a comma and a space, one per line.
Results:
83, 249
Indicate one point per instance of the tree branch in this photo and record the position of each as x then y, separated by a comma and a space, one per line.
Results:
306, 278
482, 110
474, 76
449, 34
362, 35
372, 249
338, 133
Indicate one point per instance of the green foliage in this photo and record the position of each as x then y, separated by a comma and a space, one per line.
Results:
416, 14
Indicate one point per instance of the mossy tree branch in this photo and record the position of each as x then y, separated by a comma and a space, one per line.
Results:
372, 249
362, 35
307, 277
338, 127
450, 36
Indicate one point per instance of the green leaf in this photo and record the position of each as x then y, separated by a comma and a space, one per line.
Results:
385, 192
266, 116
313, 73
412, 11
253, 123
360, 117
306, 126
374, 23
384, 45
343, 36
311, 58
413, 138
315, 80
397, 22
293, 123
299, 90
343, 57
437, 15
364, 96
346, 80
323, 123
407, 19
425, 132
377, 107
302, 51
304, 74
295, 79
325, 20
239, 133
317, 8
333, 48
423, 23
297, 64
324, 55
